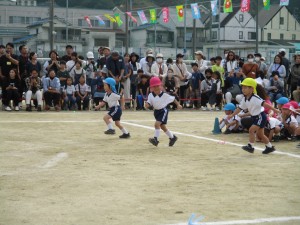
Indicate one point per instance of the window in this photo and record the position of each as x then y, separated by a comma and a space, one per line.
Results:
241, 35
281, 20
293, 37
251, 35
281, 36
214, 35
269, 36
23, 20
241, 18
101, 42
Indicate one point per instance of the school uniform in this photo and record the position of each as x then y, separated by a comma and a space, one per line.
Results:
254, 106
291, 120
160, 103
272, 123
115, 110
235, 118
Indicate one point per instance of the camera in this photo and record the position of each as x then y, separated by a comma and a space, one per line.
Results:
12, 84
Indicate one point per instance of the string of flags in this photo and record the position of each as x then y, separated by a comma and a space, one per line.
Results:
195, 10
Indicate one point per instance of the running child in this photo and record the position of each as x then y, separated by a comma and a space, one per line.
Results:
254, 103
115, 112
159, 101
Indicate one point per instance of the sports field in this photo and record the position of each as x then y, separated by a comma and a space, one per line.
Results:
61, 169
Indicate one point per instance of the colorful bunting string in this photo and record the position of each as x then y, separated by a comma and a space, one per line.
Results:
111, 19
142, 16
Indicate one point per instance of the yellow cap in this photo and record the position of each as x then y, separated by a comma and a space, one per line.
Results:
250, 83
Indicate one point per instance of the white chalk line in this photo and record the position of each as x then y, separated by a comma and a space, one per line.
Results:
213, 140
55, 160
91, 121
254, 221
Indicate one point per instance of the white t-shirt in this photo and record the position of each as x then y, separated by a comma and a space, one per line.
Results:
272, 123
83, 88
160, 101
112, 99
291, 120
253, 104
70, 89
236, 117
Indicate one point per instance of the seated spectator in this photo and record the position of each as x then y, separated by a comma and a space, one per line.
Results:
82, 94
77, 72
273, 128
12, 85
289, 121
171, 85
69, 93
275, 90
278, 67
33, 87
51, 86
143, 91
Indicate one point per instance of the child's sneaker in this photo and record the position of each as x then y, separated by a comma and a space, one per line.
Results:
110, 131
268, 150
203, 108
227, 131
173, 140
154, 141
217, 109
125, 135
7, 108
248, 148
17, 108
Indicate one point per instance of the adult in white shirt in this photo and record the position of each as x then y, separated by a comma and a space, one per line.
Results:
71, 63
143, 60
202, 64
159, 69
231, 64
147, 67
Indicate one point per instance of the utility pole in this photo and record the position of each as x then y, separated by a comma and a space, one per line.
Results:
194, 37
184, 41
51, 30
126, 27
67, 25
257, 35
219, 28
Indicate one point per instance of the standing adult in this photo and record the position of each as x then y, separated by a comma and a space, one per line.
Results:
33, 63
69, 51
115, 65
159, 69
2, 50
126, 80
295, 74
202, 64
277, 66
8, 61
101, 62
23, 59
134, 79
286, 63
250, 68
261, 65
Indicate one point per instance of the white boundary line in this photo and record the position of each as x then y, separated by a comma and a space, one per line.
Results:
254, 221
213, 140
56, 159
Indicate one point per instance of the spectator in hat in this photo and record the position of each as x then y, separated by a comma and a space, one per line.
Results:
90, 68
143, 60
115, 65
69, 51
277, 66
202, 64
159, 69
147, 67
101, 62
180, 71
261, 65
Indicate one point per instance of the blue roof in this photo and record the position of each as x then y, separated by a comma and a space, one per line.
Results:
24, 39
297, 46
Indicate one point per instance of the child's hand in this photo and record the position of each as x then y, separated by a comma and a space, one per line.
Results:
123, 107
97, 107
277, 111
179, 106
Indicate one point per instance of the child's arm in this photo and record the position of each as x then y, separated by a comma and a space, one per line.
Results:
122, 100
178, 104
147, 105
266, 105
237, 111
101, 104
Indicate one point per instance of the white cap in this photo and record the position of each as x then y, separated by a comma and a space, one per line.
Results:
90, 55
282, 50
263, 58
159, 55
199, 53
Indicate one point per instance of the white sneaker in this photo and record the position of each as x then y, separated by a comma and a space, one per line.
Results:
203, 108
17, 108
7, 108
217, 109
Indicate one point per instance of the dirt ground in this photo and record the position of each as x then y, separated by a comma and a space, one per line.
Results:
60, 168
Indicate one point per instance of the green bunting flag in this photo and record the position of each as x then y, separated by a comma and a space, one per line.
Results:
118, 19
227, 6
153, 16
266, 4
180, 13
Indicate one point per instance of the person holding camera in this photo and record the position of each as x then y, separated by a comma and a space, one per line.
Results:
34, 86
275, 90
277, 66
12, 87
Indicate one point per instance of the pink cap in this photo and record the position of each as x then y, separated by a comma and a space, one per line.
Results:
155, 81
294, 104
287, 106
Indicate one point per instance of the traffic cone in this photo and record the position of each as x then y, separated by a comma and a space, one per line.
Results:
217, 129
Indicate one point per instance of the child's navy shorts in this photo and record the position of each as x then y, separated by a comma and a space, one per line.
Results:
260, 120
161, 115
115, 112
